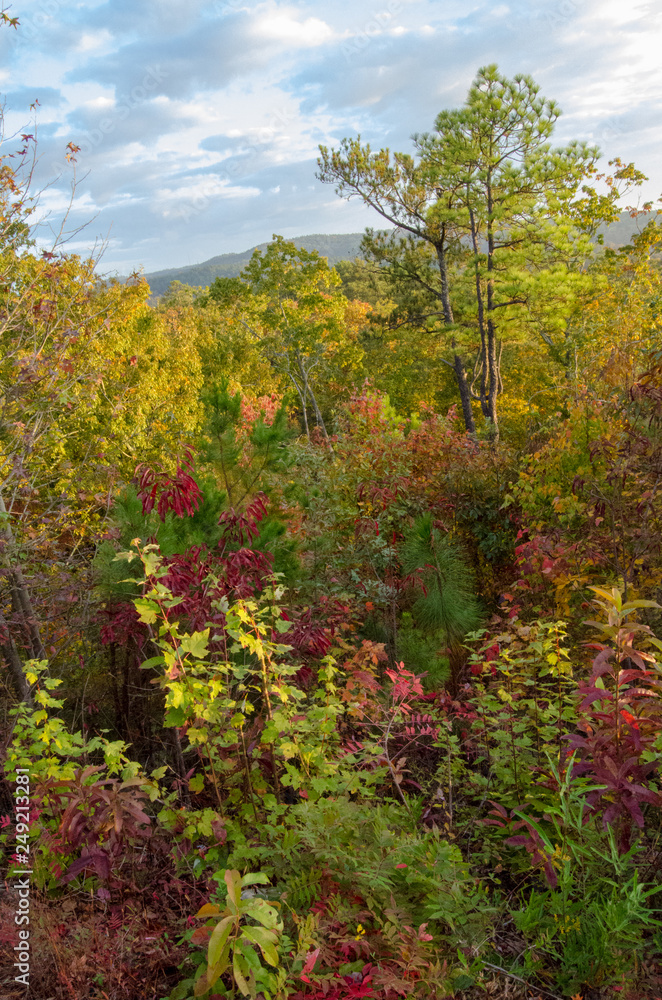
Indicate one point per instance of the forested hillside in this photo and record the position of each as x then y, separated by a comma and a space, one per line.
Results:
331, 599
345, 246
336, 248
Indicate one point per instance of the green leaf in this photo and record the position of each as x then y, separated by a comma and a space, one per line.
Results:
153, 661
125, 557
255, 878
219, 938
611, 596
197, 736
196, 783
148, 611
176, 695
233, 882
217, 970
240, 973
536, 826
151, 562
175, 717
266, 942
288, 749
261, 911
196, 644
248, 952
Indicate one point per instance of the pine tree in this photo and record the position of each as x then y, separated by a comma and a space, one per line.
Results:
448, 605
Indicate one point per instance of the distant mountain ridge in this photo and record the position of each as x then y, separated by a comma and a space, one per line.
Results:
345, 246
342, 246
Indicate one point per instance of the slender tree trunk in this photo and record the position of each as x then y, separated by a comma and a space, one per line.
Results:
126, 706
457, 660
14, 663
308, 390
320, 419
493, 385
303, 403
465, 393
120, 723
19, 588
445, 287
180, 767
492, 360
458, 363
483, 364
22, 603
22, 607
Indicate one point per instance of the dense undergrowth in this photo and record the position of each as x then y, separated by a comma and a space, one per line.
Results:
319, 697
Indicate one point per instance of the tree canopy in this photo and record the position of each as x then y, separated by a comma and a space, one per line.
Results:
490, 230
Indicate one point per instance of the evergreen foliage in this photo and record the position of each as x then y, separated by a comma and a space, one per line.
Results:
449, 603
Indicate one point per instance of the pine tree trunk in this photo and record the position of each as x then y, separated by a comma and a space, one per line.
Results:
465, 394
492, 360
458, 363
22, 606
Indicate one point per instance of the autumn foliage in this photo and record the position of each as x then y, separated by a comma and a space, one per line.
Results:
323, 695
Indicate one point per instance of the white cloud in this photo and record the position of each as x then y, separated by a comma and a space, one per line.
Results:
89, 41
241, 93
101, 103
617, 13
283, 27
201, 193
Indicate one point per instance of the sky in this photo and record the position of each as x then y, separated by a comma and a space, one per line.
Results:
199, 122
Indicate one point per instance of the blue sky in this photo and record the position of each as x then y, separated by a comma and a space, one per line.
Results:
199, 121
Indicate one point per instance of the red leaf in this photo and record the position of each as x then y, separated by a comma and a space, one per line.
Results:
309, 964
